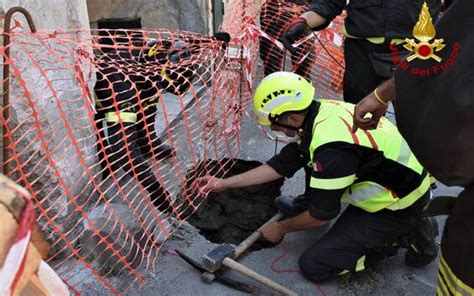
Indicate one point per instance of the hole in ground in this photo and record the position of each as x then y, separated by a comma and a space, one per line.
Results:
232, 215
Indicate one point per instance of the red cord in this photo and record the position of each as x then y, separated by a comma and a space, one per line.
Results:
283, 255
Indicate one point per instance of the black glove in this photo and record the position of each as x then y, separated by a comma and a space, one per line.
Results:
222, 36
293, 31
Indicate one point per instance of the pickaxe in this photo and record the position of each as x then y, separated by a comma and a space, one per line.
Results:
224, 255
218, 276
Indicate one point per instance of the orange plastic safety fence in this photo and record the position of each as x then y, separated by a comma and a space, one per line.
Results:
318, 56
108, 128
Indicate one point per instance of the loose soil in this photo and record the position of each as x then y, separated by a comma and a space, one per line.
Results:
232, 215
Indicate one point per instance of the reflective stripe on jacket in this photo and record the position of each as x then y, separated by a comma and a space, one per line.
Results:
127, 117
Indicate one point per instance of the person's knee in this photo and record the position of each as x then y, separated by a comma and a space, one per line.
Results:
312, 269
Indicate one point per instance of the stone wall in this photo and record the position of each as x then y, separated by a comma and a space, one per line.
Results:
53, 14
188, 15
52, 101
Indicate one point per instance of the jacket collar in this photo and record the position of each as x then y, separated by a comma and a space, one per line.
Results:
308, 126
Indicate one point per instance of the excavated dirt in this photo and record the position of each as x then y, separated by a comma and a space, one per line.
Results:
232, 215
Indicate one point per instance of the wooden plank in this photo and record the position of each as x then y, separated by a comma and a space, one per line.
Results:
8, 230
11, 198
34, 288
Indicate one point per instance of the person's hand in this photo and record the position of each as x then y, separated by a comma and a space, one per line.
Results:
222, 36
208, 183
369, 104
273, 232
293, 31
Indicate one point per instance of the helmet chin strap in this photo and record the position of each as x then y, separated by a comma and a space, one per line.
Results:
299, 130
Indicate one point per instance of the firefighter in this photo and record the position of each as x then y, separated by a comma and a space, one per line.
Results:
129, 83
375, 172
370, 27
435, 113
126, 106
274, 15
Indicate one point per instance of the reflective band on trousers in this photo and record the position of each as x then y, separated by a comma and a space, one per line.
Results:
360, 265
449, 283
129, 117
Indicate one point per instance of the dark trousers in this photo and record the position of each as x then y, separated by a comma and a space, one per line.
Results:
273, 20
457, 248
125, 148
367, 65
359, 239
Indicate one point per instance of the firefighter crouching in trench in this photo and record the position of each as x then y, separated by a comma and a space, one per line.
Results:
129, 84
374, 172
126, 103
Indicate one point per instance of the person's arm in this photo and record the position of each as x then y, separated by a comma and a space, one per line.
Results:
284, 164
323, 194
313, 19
303, 221
322, 12
375, 103
318, 17
276, 231
259, 175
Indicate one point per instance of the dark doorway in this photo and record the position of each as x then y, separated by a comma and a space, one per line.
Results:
114, 31
217, 13
119, 24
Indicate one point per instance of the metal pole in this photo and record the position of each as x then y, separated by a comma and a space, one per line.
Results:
6, 74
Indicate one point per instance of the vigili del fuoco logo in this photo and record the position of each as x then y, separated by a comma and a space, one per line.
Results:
424, 46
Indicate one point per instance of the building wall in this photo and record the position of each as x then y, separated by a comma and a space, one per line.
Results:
44, 89
188, 15
53, 14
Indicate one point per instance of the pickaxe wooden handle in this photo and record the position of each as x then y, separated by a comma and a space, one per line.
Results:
251, 239
208, 277
236, 266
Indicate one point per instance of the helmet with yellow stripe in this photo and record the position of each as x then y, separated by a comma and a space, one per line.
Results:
281, 92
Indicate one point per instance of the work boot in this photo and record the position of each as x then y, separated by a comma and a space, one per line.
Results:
423, 250
290, 205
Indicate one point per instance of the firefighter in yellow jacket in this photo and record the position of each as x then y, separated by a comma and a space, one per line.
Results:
374, 172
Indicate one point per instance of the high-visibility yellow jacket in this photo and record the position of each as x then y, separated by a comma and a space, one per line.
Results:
333, 123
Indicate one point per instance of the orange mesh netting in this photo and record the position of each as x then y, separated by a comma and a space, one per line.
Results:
107, 128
